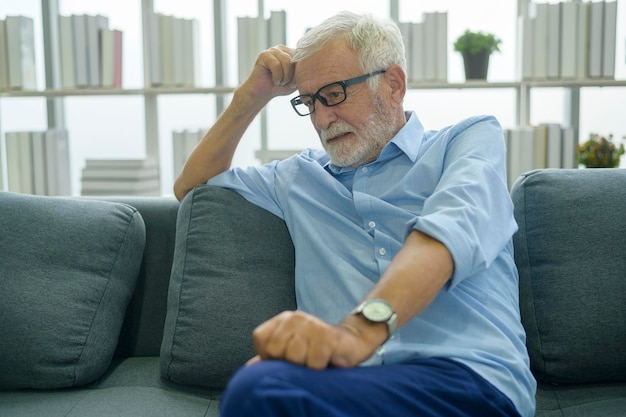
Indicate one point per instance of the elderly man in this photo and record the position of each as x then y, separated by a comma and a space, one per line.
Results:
406, 287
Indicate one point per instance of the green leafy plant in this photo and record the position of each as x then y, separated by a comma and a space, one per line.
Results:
600, 152
476, 42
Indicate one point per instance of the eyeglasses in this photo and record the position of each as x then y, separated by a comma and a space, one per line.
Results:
329, 95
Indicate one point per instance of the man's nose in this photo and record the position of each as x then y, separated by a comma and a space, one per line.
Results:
323, 116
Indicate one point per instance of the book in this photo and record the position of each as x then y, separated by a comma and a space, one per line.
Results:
154, 62
441, 72
251, 40
406, 29
58, 162
569, 47
554, 148
520, 153
596, 37
167, 49
4, 67
553, 61
525, 47
118, 58
122, 163
38, 162
540, 146
430, 46
94, 26
13, 159
141, 187
178, 151
148, 172
277, 28
20, 162
67, 53
20, 39
79, 30
38, 143
192, 67
120, 177
582, 40
111, 58
183, 143
569, 148
609, 39
106, 57
540, 41
415, 52
178, 51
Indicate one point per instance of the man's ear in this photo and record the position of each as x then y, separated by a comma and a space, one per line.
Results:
396, 79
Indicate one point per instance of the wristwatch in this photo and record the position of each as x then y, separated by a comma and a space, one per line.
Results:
378, 311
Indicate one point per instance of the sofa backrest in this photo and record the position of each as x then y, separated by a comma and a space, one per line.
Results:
570, 251
142, 331
233, 269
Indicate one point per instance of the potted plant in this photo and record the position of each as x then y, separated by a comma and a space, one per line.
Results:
476, 47
599, 152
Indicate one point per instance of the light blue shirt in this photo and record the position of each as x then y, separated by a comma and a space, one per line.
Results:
348, 224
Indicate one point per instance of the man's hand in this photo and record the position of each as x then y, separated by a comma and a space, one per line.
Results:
303, 339
272, 75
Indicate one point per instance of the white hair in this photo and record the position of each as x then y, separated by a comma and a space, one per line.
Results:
377, 42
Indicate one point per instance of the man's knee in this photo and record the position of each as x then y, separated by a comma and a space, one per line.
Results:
259, 389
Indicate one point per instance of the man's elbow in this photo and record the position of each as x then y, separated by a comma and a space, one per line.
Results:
180, 191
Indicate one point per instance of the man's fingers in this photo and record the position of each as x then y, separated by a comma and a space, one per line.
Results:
253, 360
296, 349
278, 61
263, 334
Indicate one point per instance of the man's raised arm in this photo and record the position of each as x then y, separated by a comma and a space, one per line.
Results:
271, 76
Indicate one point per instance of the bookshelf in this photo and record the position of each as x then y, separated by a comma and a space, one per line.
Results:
55, 97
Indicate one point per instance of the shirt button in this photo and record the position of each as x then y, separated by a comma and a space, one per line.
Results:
382, 251
364, 170
372, 224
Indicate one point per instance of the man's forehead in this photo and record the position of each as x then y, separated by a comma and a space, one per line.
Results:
327, 66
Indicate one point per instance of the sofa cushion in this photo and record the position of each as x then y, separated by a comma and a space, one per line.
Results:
68, 268
570, 252
233, 268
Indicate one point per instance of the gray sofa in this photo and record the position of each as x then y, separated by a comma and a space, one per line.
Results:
144, 307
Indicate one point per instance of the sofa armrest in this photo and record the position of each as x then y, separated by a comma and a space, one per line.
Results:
570, 253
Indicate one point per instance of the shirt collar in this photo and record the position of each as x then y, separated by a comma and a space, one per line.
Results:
407, 140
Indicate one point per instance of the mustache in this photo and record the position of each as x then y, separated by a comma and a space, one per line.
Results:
337, 129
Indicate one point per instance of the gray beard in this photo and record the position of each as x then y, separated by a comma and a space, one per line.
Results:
380, 129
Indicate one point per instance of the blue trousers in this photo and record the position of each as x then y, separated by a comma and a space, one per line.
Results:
426, 388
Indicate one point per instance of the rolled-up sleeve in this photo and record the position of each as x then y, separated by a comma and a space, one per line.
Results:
470, 210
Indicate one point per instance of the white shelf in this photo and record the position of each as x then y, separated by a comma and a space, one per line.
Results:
118, 92
222, 90
575, 83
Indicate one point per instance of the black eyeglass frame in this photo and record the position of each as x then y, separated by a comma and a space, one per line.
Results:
344, 84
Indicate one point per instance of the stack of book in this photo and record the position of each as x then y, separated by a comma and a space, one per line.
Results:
117, 177
426, 45
91, 53
548, 145
255, 34
38, 162
569, 40
173, 51
17, 54
183, 142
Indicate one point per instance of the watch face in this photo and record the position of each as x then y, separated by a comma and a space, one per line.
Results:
377, 311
